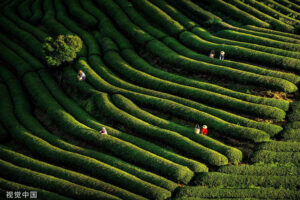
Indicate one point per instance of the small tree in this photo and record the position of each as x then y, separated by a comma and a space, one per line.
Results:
61, 50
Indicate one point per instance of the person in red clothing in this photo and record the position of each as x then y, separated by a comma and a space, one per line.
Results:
204, 130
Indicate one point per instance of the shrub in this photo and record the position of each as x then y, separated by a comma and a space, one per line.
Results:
42, 194
294, 115
194, 11
271, 129
271, 157
244, 37
142, 143
33, 44
260, 193
138, 63
260, 170
148, 81
191, 39
290, 4
264, 30
280, 146
72, 176
131, 57
61, 50
141, 98
266, 77
274, 13
79, 14
99, 82
95, 168
215, 179
236, 13
37, 12
24, 10
291, 134
69, 124
293, 125
22, 110
36, 179
171, 138
266, 35
234, 155
276, 24
167, 55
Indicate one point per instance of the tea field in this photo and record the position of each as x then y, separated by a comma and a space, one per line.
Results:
153, 70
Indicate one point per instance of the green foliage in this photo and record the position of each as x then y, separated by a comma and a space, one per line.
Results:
37, 87
271, 156
178, 109
137, 62
237, 14
194, 11
280, 146
282, 9
24, 9
168, 35
291, 134
169, 56
8, 185
178, 47
102, 85
94, 167
62, 50
63, 187
271, 31
80, 14
37, 12
217, 179
293, 125
289, 4
288, 21
26, 38
234, 155
22, 110
244, 37
261, 170
89, 41
169, 137
140, 78
276, 24
72, 176
260, 193
190, 39
279, 38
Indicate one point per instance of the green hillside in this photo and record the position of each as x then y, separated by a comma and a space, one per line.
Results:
149, 71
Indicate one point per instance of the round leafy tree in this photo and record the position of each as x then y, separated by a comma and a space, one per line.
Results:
61, 50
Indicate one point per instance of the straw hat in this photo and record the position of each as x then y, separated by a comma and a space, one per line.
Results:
204, 126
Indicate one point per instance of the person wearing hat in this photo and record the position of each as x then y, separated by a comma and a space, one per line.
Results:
197, 129
204, 130
103, 131
81, 75
222, 55
212, 54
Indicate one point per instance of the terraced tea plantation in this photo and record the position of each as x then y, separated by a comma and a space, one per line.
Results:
152, 72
